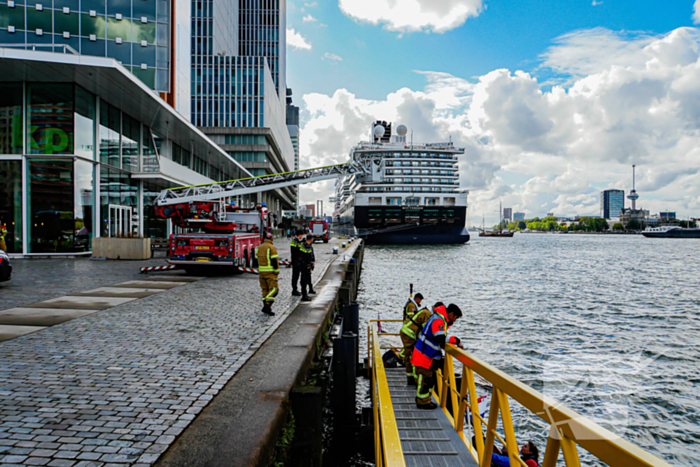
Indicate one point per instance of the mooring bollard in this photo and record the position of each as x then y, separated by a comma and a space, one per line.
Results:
344, 374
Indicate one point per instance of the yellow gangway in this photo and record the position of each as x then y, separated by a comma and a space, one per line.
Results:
568, 431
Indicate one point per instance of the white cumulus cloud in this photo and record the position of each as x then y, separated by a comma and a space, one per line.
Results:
546, 149
309, 19
412, 15
332, 57
296, 40
696, 12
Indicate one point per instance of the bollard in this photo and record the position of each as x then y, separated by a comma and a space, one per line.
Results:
351, 324
344, 373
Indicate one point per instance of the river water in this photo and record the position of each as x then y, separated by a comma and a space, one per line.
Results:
607, 325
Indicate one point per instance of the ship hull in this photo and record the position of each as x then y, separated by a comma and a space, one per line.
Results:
420, 235
404, 225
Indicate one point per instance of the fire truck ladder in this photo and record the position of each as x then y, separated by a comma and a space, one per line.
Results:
244, 186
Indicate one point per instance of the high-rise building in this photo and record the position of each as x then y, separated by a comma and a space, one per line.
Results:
239, 86
293, 128
611, 203
508, 214
518, 216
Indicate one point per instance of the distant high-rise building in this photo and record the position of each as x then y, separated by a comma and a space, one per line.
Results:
310, 210
239, 86
518, 216
508, 214
293, 128
611, 203
667, 216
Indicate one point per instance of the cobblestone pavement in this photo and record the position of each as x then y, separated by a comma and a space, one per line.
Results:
118, 386
34, 280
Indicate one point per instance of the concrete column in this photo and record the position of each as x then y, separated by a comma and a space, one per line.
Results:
140, 208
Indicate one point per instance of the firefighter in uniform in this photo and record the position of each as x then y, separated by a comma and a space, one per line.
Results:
297, 240
427, 355
307, 260
269, 267
3, 232
409, 332
412, 305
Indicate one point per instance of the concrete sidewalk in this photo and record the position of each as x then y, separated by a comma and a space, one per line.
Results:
119, 385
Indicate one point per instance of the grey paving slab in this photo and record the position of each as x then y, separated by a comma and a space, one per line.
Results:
34, 280
150, 284
10, 332
84, 303
40, 316
118, 292
159, 277
136, 373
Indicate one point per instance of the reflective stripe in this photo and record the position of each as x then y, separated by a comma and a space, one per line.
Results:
271, 295
419, 394
269, 267
428, 342
408, 331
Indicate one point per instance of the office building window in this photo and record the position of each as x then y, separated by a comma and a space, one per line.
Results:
84, 117
11, 203
50, 118
11, 124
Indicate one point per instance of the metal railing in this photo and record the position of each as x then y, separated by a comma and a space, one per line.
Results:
387, 444
55, 48
568, 429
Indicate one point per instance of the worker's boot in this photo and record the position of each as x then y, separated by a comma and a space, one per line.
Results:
312, 292
306, 298
429, 406
267, 309
296, 293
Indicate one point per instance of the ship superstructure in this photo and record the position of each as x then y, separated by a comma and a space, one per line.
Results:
414, 197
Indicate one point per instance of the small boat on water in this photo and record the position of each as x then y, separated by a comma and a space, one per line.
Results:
670, 231
496, 232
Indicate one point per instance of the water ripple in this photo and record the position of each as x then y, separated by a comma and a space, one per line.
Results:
607, 325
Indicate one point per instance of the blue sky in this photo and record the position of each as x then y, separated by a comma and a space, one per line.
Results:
606, 84
507, 34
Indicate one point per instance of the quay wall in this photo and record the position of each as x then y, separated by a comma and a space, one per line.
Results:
241, 425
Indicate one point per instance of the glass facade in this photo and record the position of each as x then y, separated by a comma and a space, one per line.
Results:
229, 92
77, 159
259, 35
11, 203
11, 121
60, 205
134, 32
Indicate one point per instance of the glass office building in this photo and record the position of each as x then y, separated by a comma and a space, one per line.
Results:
611, 203
239, 85
84, 150
134, 32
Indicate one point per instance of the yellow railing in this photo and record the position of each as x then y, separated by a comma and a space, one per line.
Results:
568, 430
387, 445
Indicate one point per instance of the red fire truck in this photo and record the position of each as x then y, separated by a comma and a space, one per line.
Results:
319, 229
227, 237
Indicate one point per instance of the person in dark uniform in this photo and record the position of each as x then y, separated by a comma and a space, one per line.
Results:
295, 246
307, 263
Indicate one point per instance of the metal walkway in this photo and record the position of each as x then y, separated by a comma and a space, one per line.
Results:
428, 439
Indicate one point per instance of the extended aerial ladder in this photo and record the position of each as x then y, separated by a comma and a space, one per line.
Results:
221, 191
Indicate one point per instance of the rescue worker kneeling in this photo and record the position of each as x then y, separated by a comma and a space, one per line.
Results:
269, 268
427, 355
413, 323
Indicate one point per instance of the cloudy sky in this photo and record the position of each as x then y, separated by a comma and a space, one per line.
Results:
553, 101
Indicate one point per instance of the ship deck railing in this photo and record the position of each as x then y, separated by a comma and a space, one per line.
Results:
399, 427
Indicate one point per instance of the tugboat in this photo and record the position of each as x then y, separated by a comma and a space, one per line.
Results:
496, 233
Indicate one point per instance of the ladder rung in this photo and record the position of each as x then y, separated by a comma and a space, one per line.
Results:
442, 440
430, 453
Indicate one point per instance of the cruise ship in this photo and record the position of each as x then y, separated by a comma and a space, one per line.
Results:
417, 198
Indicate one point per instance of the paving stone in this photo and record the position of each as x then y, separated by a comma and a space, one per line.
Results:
119, 385
8, 332
40, 316
37, 461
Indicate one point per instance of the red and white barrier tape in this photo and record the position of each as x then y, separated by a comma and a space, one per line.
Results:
250, 270
158, 268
